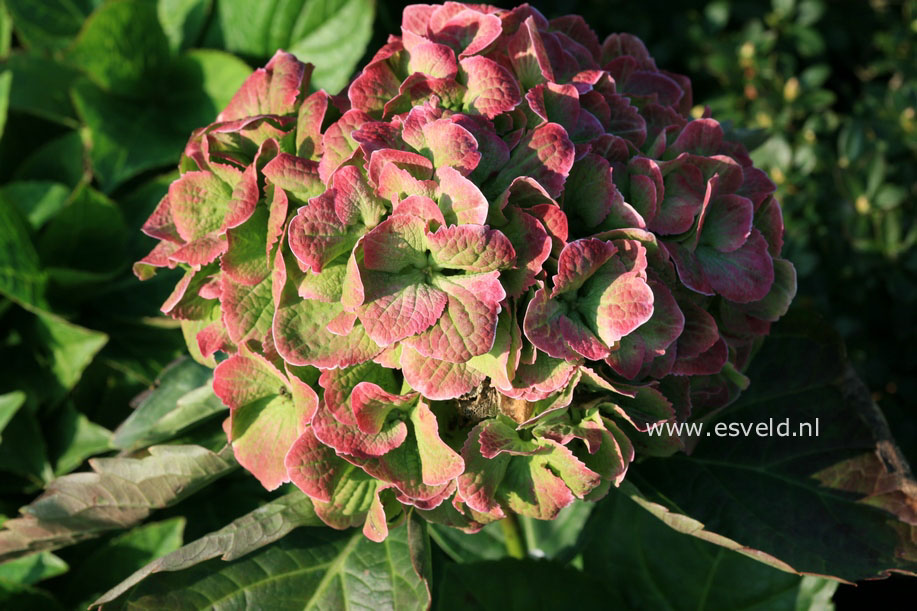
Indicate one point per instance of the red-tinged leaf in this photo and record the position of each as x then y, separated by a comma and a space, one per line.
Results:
555, 103
468, 32
354, 201
213, 338
160, 256
439, 463
448, 144
338, 144
625, 120
590, 195
247, 310
265, 419
647, 189
756, 185
277, 220
338, 385
317, 236
579, 261
342, 324
326, 285
625, 302
652, 86
395, 183
542, 326
309, 125
743, 275
199, 204
433, 60
351, 442
472, 248
708, 362
185, 302
725, 222
377, 135
273, 89
769, 221
627, 45
545, 154
491, 89
778, 300
555, 223
700, 332
297, 176
700, 137
436, 379
421, 208
501, 361
651, 339
468, 325
416, 17
313, 467
300, 330
689, 268
685, 192
460, 199
398, 242
376, 526
416, 164
528, 56
245, 261
372, 404
539, 380
375, 86
161, 225
400, 305
538, 479
577, 29
533, 247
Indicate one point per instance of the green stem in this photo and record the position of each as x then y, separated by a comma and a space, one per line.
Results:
512, 535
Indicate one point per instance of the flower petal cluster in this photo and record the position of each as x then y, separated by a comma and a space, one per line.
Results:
473, 281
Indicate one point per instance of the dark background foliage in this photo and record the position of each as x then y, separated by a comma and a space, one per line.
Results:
825, 92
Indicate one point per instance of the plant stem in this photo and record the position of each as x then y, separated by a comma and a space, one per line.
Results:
512, 535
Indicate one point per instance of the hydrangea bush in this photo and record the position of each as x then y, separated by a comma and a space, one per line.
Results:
475, 280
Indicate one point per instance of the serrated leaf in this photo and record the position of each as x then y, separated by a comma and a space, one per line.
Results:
309, 29
804, 489
691, 574
307, 569
118, 493
144, 425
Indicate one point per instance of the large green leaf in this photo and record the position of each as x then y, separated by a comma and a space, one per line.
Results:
122, 48
119, 557
42, 87
31, 569
73, 438
9, 404
118, 493
48, 25
37, 200
160, 415
21, 277
331, 34
655, 567
311, 568
182, 20
521, 584
6, 79
838, 504
130, 136
67, 348
486, 544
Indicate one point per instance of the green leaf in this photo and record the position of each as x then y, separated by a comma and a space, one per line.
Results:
786, 498
62, 160
31, 569
131, 136
120, 557
155, 418
74, 438
331, 34
486, 544
69, 347
118, 493
557, 538
521, 584
88, 236
38, 201
21, 278
122, 48
9, 405
182, 20
311, 568
6, 79
23, 451
6, 31
42, 86
48, 25
656, 567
